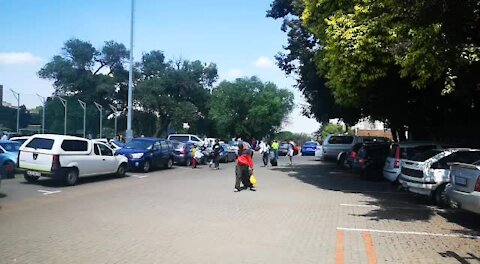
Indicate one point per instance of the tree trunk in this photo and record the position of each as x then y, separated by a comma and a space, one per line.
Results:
162, 126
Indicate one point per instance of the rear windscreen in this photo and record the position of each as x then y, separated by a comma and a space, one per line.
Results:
179, 138
74, 145
41, 143
340, 140
423, 156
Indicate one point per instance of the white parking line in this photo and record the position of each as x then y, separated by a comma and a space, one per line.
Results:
407, 232
44, 192
140, 176
396, 207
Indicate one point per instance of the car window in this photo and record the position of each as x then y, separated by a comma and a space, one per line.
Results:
157, 146
74, 145
409, 153
96, 149
195, 139
179, 138
468, 157
11, 147
105, 150
170, 144
164, 145
139, 144
423, 156
340, 140
41, 143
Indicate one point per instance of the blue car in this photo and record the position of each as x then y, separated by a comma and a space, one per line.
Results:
147, 153
8, 158
309, 148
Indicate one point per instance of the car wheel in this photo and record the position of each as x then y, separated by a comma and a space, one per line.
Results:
71, 178
30, 179
146, 166
122, 169
169, 164
441, 195
9, 169
341, 161
188, 162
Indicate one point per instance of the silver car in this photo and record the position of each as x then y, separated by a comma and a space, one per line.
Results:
464, 188
336, 147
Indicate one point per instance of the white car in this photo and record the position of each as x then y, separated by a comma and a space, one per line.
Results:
68, 158
428, 173
404, 150
464, 188
186, 138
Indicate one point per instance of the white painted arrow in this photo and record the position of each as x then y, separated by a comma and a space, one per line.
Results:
44, 192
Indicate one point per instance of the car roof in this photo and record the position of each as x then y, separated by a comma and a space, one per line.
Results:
56, 136
148, 139
8, 141
22, 137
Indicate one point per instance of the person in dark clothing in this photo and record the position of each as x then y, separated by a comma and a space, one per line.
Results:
216, 154
243, 169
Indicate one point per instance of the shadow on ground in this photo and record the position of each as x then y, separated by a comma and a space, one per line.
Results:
57, 183
470, 258
388, 203
2, 195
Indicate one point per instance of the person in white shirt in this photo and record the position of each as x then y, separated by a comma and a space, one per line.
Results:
4, 136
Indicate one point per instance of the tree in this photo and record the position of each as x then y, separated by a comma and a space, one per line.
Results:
249, 108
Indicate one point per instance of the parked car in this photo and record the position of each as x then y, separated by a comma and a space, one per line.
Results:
113, 144
428, 173
309, 148
183, 153
67, 158
8, 158
370, 159
186, 138
336, 144
464, 188
405, 150
20, 140
227, 154
148, 153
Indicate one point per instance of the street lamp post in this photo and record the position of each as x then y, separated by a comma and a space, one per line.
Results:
129, 133
114, 110
44, 103
65, 106
17, 96
100, 108
84, 106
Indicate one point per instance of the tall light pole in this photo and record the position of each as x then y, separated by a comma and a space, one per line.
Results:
114, 110
44, 103
65, 106
84, 106
17, 96
100, 108
129, 133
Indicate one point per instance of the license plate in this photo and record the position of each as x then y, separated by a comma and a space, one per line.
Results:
460, 181
34, 173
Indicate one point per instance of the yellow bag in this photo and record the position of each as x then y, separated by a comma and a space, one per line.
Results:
253, 180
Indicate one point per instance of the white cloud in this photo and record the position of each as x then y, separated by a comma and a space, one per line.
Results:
235, 73
18, 58
263, 62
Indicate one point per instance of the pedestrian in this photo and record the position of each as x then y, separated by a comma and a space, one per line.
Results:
243, 169
194, 153
217, 149
3, 136
265, 151
275, 147
290, 152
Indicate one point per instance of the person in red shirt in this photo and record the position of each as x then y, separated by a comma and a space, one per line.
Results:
243, 169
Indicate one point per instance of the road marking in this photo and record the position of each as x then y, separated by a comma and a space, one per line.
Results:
407, 232
140, 176
367, 239
44, 192
339, 255
396, 207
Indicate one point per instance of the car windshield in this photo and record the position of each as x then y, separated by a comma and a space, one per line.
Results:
423, 156
139, 144
11, 147
118, 143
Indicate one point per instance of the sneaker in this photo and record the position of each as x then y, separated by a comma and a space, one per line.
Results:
253, 189
236, 190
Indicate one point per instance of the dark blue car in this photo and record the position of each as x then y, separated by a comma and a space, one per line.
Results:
147, 153
309, 148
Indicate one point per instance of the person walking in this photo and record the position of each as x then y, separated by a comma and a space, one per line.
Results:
275, 147
243, 169
217, 149
265, 151
290, 152
194, 154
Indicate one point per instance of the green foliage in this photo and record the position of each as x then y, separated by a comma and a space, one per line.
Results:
249, 108
332, 129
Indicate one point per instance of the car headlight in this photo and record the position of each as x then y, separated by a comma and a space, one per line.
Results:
137, 155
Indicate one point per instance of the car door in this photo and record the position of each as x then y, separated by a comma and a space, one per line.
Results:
157, 154
109, 162
165, 152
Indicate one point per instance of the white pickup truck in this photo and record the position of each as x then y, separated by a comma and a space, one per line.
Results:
67, 158
464, 188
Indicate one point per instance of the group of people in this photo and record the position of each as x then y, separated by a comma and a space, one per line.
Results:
269, 148
214, 157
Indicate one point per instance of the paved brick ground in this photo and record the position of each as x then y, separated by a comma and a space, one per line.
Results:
193, 216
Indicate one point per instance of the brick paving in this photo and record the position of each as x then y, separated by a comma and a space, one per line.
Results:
193, 216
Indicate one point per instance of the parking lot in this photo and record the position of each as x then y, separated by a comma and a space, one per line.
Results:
309, 213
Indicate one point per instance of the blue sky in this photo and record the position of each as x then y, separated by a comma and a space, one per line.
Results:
235, 35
